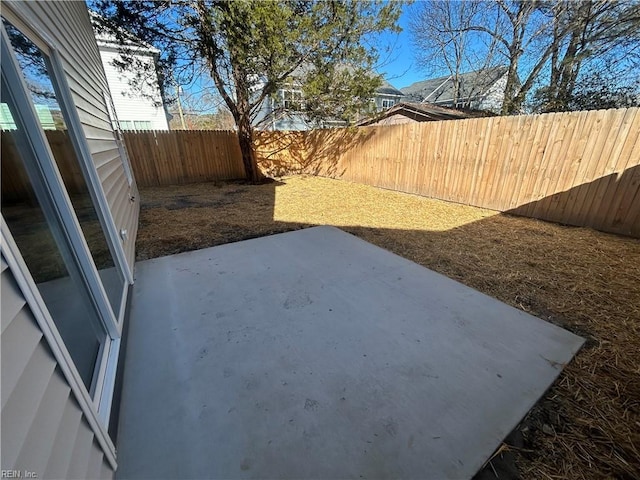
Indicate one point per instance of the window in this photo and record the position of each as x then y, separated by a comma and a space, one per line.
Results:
36, 70
141, 125
291, 99
388, 103
39, 238
135, 125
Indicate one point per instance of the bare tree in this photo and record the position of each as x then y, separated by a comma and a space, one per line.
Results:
544, 43
520, 29
446, 42
595, 31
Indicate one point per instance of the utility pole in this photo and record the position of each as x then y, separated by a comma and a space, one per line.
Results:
184, 126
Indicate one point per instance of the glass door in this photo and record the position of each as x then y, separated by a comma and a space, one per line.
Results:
51, 212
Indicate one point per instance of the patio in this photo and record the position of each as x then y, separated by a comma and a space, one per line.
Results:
314, 354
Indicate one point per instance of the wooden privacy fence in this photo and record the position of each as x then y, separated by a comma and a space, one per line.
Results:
578, 168
184, 156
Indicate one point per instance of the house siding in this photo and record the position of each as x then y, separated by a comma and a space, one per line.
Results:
68, 23
380, 98
44, 430
130, 106
494, 97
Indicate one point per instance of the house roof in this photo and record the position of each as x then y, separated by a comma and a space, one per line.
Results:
387, 89
441, 89
421, 112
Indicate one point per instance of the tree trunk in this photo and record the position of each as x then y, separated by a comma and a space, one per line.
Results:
249, 158
514, 94
510, 103
242, 116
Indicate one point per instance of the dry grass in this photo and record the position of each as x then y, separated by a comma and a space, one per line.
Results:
588, 424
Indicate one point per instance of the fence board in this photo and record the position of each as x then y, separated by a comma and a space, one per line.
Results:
579, 168
184, 156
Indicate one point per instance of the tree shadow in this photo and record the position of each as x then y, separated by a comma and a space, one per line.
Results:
315, 152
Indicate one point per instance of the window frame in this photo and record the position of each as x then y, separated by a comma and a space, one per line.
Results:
290, 104
388, 103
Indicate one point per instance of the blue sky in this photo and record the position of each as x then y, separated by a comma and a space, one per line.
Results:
399, 66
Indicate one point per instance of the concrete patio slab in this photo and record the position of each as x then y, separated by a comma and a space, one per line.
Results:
314, 354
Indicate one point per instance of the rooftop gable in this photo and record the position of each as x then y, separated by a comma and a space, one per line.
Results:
441, 89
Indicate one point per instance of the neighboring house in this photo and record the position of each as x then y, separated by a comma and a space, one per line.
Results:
68, 233
44, 115
479, 90
282, 111
387, 96
136, 107
414, 112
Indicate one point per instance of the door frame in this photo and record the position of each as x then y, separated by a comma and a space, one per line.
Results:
81, 147
96, 409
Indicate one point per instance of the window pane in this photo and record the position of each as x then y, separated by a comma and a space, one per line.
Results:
142, 125
36, 71
40, 242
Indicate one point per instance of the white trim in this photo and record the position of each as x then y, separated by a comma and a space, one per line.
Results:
123, 308
76, 133
98, 379
105, 400
54, 340
98, 370
27, 28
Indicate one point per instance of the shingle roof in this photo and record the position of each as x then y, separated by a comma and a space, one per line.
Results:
421, 112
387, 89
440, 90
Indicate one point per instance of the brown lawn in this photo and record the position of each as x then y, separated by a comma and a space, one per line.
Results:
588, 424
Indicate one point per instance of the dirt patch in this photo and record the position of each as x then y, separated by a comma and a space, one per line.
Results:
588, 424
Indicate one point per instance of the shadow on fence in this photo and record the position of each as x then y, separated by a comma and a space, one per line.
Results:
315, 152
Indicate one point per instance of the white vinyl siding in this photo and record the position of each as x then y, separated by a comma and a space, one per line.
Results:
493, 99
41, 420
67, 24
135, 110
